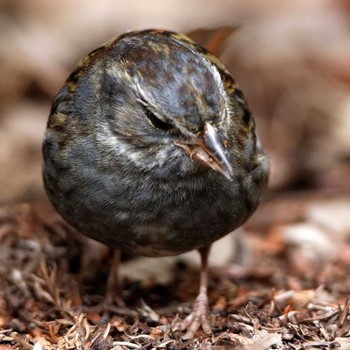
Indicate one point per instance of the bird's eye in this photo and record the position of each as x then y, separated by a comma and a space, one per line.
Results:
156, 122
246, 115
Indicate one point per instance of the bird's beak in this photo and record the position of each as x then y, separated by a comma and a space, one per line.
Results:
209, 149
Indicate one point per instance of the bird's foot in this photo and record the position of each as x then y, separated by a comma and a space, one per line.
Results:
114, 298
197, 318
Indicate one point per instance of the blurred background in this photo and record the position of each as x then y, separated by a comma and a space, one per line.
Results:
291, 59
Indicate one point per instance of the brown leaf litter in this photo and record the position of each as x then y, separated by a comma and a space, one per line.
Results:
52, 283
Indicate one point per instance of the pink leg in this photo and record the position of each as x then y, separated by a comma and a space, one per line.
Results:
199, 315
113, 291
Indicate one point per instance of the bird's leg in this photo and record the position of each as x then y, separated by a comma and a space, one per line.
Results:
199, 315
113, 290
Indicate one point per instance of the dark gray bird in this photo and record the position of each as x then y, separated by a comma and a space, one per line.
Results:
150, 148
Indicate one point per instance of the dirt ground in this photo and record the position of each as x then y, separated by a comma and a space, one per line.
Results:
281, 281
290, 293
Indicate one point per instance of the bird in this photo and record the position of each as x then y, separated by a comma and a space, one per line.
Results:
151, 149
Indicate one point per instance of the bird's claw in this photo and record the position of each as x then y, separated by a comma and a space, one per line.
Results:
197, 318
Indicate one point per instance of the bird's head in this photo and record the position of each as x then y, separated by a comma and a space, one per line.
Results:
160, 95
